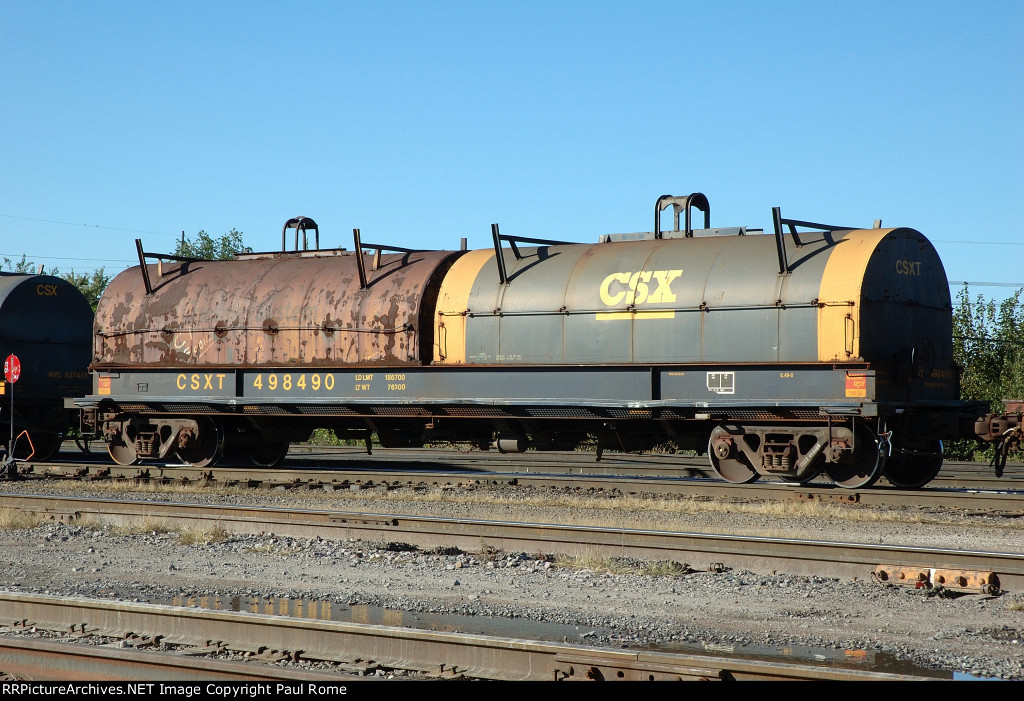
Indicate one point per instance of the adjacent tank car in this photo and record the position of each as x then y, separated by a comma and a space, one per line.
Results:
46, 322
816, 349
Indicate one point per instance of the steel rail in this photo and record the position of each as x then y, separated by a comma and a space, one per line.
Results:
48, 660
648, 464
365, 645
973, 499
698, 550
933, 497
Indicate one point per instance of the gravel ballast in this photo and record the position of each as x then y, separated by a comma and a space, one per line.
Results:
607, 604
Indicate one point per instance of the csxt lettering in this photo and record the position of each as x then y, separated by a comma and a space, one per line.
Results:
908, 267
203, 381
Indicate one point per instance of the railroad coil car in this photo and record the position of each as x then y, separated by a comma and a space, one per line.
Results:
816, 349
46, 322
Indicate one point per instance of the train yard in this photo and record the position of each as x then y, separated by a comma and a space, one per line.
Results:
497, 548
829, 380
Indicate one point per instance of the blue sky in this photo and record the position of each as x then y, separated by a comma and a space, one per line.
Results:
424, 122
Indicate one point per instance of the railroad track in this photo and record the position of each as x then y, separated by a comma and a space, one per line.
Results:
357, 649
648, 464
395, 472
32, 658
963, 569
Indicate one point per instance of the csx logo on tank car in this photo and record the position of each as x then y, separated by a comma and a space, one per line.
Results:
643, 286
616, 287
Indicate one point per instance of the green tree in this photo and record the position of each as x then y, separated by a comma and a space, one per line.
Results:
988, 344
90, 285
204, 246
22, 266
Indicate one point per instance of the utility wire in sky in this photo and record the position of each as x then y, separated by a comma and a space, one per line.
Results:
28, 256
176, 235
984, 243
90, 226
952, 283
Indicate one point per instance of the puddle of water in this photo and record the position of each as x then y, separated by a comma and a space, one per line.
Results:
964, 677
826, 657
552, 632
449, 623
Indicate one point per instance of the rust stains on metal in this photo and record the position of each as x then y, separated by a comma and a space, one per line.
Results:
985, 582
284, 309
